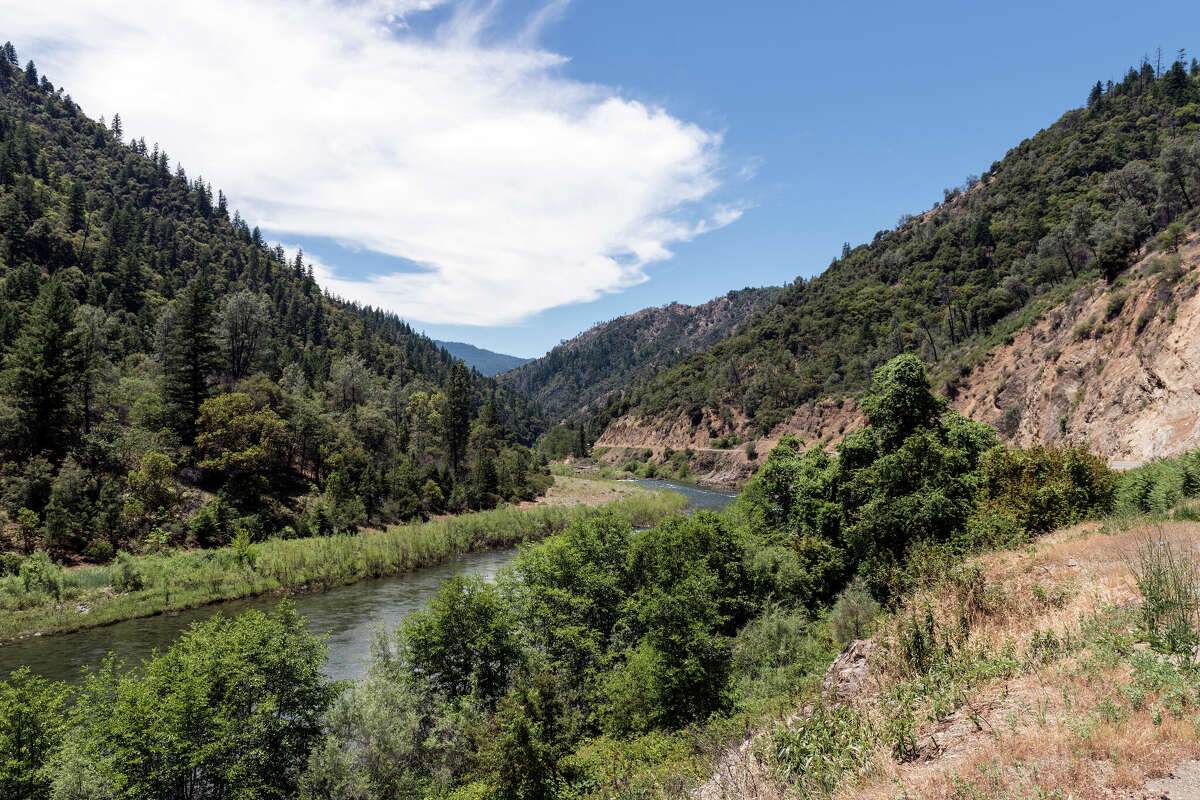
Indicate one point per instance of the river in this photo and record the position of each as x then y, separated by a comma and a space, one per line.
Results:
347, 614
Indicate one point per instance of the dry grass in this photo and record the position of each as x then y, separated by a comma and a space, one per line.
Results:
1062, 729
573, 491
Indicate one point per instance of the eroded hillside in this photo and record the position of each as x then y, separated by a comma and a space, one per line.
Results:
1116, 368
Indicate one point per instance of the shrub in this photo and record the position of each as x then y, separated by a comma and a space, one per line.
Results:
39, 575
823, 749
1035, 490
853, 613
1169, 581
1115, 304
126, 575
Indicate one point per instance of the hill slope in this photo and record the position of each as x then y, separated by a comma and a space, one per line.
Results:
575, 377
157, 354
1063, 211
486, 362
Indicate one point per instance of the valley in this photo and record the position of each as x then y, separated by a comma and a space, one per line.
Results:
920, 524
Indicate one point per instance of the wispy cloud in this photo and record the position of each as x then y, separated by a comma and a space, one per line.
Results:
516, 188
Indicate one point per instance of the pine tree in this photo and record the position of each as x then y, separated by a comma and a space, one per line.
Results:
458, 412
76, 209
116, 128
190, 354
40, 373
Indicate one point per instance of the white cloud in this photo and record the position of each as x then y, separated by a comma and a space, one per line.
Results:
517, 188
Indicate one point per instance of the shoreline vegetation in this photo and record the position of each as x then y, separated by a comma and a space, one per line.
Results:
45, 599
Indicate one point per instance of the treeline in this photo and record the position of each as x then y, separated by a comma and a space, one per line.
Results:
598, 663
1079, 200
574, 379
167, 377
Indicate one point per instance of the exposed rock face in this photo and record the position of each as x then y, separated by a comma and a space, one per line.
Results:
1117, 369
847, 676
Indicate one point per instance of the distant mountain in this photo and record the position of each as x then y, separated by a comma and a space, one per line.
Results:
484, 361
576, 377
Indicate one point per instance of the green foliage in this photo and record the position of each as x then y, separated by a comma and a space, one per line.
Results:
464, 643
1024, 492
231, 709
40, 375
39, 575
534, 728
390, 735
1169, 581
853, 613
33, 720
822, 749
1157, 487
143, 326
1073, 202
912, 475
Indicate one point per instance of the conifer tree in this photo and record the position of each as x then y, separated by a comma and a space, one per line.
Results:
190, 354
458, 412
76, 209
41, 367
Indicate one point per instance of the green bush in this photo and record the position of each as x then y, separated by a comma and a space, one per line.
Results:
853, 613
33, 720
1156, 488
822, 750
1023, 492
232, 708
40, 575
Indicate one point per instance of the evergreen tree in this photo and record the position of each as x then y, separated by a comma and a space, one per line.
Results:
41, 367
190, 354
76, 209
116, 128
458, 412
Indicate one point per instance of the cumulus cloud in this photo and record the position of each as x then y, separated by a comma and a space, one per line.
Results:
514, 188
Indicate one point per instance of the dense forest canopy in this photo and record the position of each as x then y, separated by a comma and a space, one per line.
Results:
1076, 202
169, 377
577, 376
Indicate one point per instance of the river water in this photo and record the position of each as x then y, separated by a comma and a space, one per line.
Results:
347, 615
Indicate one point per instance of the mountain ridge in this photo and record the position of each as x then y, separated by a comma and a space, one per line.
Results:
1072, 206
487, 362
576, 376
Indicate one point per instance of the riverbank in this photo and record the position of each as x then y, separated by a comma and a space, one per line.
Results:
60, 601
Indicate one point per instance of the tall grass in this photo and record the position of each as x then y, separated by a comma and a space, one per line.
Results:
54, 600
1159, 486
1168, 578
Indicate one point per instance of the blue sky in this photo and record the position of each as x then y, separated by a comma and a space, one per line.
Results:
796, 127
849, 115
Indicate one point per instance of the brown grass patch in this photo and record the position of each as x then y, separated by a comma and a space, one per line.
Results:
1045, 730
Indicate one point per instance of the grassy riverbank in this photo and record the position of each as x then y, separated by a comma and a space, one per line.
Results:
47, 599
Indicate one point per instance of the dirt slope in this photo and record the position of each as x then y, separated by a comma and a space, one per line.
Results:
1117, 369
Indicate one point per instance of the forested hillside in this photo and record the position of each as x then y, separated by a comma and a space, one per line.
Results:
579, 374
168, 377
1074, 204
